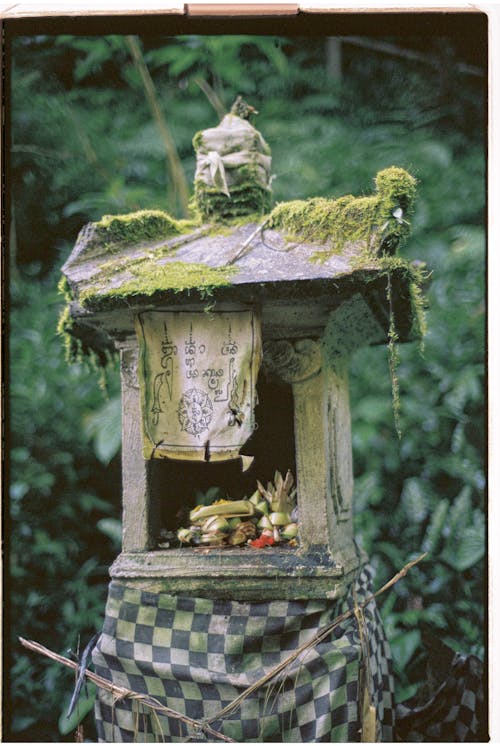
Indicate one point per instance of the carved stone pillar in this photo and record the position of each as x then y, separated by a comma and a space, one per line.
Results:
137, 507
323, 442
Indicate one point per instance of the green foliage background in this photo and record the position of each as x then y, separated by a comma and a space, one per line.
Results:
83, 144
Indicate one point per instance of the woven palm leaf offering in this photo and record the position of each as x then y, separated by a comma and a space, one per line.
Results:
264, 519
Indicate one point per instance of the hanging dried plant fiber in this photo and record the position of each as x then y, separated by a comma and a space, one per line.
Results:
233, 169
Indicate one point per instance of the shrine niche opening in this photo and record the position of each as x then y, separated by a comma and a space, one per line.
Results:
176, 486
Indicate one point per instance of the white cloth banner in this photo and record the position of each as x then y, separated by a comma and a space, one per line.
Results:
197, 374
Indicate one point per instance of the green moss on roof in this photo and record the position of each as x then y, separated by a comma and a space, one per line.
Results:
149, 277
72, 346
246, 199
137, 227
416, 275
314, 219
78, 351
64, 289
377, 220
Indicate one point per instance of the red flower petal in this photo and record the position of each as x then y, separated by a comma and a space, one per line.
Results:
262, 541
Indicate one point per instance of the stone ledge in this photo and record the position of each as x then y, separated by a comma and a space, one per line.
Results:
242, 574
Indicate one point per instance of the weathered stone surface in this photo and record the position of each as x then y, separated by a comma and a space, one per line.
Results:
240, 574
282, 268
138, 510
294, 362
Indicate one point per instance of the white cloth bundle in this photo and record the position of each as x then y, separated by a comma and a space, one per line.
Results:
223, 150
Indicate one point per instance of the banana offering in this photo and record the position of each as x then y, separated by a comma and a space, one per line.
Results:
264, 519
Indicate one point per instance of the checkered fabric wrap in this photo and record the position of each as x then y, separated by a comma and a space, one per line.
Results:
456, 711
196, 655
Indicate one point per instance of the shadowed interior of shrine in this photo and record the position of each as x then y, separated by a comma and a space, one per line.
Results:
176, 486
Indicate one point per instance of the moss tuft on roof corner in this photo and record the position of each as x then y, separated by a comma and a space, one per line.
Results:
376, 221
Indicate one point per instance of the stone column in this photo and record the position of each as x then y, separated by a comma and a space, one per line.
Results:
323, 442
137, 509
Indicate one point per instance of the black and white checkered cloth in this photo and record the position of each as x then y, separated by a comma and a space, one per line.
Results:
455, 713
196, 655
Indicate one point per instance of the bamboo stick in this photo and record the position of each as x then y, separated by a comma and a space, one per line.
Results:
121, 692
324, 632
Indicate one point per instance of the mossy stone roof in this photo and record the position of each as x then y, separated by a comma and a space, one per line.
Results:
203, 261
116, 273
148, 253
300, 252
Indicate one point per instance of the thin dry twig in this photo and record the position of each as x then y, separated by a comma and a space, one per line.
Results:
121, 692
244, 247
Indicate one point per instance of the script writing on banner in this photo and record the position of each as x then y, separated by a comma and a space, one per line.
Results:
197, 374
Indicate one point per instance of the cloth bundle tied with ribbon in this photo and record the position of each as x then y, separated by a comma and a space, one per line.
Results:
233, 169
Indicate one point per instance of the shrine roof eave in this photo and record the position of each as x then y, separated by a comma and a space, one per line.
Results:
232, 264
241, 264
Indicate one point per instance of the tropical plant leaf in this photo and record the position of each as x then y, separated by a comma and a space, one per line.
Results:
104, 427
460, 512
111, 527
467, 550
403, 647
414, 500
436, 526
